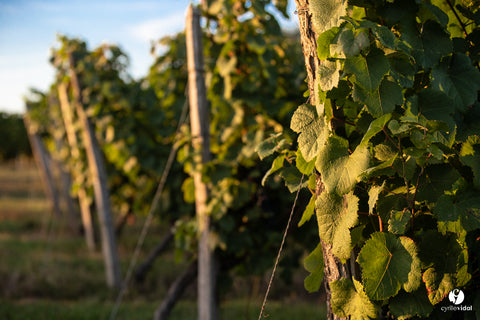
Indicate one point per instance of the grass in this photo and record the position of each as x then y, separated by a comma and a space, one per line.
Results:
47, 273
185, 310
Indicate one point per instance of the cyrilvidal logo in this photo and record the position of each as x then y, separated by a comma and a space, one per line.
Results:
456, 296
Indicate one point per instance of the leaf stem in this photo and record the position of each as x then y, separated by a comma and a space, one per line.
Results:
397, 194
458, 18
343, 121
390, 138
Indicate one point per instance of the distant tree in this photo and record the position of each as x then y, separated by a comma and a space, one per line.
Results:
14, 140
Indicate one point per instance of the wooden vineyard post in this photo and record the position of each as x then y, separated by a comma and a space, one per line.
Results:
98, 174
67, 114
333, 268
207, 307
41, 158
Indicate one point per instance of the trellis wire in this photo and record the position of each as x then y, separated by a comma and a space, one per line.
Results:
280, 250
153, 207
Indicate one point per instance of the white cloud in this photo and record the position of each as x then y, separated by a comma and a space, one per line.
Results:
157, 28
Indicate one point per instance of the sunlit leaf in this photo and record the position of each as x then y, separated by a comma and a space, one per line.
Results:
313, 131
398, 221
373, 194
277, 164
339, 169
470, 156
386, 263
309, 211
350, 301
335, 216
313, 263
326, 13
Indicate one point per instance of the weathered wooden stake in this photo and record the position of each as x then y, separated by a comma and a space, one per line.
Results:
67, 114
41, 158
98, 174
207, 306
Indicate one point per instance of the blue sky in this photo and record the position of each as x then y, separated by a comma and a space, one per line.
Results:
28, 30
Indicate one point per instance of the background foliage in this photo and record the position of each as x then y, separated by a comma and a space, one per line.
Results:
253, 73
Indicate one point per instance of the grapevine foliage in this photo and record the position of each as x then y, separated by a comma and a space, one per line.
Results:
394, 141
252, 82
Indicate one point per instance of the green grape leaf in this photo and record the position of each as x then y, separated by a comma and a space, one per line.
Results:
323, 42
382, 100
309, 211
415, 274
338, 168
292, 178
436, 105
435, 180
429, 46
373, 194
458, 79
438, 285
348, 44
270, 145
402, 68
369, 70
458, 213
385, 35
398, 128
375, 127
441, 263
470, 156
277, 164
313, 263
407, 305
302, 165
398, 221
328, 75
335, 216
326, 13
428, 11
350, 301
462, 276
384, 152
387, 263
313, 131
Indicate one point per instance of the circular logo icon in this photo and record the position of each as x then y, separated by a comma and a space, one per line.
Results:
456, 296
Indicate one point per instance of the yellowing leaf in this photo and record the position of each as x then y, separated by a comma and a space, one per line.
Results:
350, 300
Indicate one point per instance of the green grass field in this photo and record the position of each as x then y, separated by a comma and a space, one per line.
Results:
46, 272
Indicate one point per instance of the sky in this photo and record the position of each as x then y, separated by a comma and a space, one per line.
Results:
29, 28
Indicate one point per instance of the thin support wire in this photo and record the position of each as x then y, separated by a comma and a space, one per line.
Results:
280, 250
149, 219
